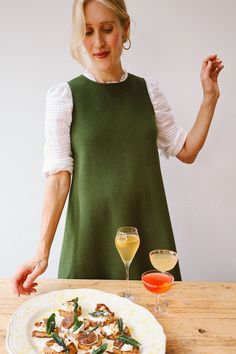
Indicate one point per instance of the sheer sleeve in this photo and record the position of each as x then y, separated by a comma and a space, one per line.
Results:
171, 137
57, 148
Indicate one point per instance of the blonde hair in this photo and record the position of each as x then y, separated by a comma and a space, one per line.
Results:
79, 27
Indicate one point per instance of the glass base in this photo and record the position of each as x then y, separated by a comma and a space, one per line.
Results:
161, 305
129, 295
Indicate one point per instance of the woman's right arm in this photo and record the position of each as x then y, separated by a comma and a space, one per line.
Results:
57, 167
56, 190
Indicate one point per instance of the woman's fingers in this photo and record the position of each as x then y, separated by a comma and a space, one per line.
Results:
210, 57
23, 281
37, 270
32, 289
19, 279
211, 67
216, 63
28, 291
34, 284
21, 290
31, 277
217, 70
213, 63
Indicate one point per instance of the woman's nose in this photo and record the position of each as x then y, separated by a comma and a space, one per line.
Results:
99, 40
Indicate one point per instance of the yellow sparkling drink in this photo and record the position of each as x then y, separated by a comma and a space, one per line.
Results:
127, 246
163, 261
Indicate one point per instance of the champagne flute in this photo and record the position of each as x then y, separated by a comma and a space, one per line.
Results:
127, 242
159, 281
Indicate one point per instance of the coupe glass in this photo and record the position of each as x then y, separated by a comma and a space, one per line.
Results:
127, 242
159, 281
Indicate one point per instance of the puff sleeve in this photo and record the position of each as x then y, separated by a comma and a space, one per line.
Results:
171, 137
57, 147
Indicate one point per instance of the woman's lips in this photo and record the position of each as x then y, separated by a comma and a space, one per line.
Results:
102, 55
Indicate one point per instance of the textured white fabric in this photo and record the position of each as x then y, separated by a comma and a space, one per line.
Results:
59, 105
57, 149
171, 137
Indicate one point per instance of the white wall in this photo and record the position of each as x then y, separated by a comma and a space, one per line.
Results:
169, 41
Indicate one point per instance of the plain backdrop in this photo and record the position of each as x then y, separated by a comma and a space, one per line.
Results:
170, 39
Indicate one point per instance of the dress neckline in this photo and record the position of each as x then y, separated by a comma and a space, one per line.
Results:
88, 75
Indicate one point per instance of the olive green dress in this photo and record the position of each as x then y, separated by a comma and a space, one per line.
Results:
116, 181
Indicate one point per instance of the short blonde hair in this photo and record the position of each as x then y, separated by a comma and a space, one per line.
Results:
79, 27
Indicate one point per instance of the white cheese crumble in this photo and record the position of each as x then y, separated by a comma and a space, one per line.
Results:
57, 348
107, 330
67, 306
97, 319
126, 347
67, 335
110, 329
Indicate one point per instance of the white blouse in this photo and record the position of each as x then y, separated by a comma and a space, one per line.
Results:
59, 106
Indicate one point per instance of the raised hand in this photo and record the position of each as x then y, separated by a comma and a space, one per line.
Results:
210, 70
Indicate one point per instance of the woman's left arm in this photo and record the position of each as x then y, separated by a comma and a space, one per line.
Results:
211, 67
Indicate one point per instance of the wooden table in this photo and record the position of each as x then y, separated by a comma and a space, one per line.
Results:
201, 318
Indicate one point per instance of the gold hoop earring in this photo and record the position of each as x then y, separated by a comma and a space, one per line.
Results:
129, 44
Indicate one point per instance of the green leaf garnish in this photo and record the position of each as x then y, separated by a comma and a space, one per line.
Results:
60, 342
76, 304
51, 323
93, 329
77, 323
120, 325
97, 313
100, 350
129, 340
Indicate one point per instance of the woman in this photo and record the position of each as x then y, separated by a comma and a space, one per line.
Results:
103, 127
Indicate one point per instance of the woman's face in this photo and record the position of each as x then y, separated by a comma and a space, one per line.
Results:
103, 36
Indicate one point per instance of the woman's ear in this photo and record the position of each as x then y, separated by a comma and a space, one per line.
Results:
126, 29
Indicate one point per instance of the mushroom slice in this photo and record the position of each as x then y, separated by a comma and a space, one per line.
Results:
86, 340
67, 322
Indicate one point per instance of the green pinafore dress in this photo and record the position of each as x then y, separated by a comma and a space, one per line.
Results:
116, 180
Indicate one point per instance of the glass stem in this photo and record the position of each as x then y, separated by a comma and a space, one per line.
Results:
161, 304
158, 303
127, 264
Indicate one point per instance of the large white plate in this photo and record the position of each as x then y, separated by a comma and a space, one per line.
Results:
144, 327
